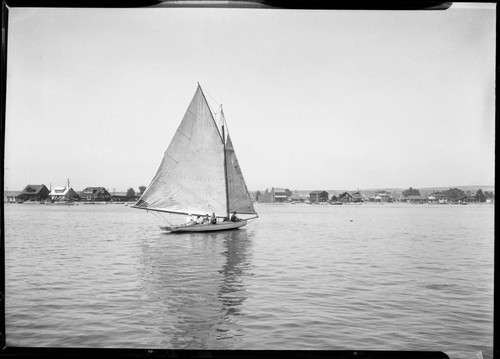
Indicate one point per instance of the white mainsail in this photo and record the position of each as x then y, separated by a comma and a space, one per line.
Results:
191, 177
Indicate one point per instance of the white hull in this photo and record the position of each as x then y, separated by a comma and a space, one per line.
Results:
204, 227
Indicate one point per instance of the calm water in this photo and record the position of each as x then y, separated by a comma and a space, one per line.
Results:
365, 277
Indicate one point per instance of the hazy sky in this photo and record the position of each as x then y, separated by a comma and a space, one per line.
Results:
313, 99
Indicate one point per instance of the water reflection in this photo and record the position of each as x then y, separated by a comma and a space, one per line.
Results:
232, 292
194, 287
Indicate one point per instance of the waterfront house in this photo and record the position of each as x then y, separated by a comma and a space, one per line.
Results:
437, 197
34, 192
414, 199
63, 194
318, 196
382, 197
461, 199
124, 197
273, 195
119, 197
345, 197
95, 194
471, 198
357, 197
10, 196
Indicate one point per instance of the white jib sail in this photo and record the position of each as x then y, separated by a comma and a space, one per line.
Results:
190, 178
239, 198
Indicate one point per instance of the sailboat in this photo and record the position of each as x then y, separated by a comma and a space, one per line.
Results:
199, 174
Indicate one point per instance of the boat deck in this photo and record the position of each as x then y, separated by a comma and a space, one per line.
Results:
223, 226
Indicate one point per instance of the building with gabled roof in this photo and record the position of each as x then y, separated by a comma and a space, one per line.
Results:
345, 197
95, 194
34, 192
382, 196
62, 194
318, 196
357, 197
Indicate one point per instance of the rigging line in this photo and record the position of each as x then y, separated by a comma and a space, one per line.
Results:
224, 121
208, 93
212, 111
155, 214
161, 217
209, 109
216, 102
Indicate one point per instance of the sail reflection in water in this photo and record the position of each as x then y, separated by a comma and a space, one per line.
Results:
198, 283
232, 293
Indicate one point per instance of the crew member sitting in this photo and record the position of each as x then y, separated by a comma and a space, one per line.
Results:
234, 218
189, 220
214, 219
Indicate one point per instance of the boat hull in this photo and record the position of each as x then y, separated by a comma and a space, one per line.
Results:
224, 226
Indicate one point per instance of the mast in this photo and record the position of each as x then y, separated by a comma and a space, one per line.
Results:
225, 162
224, 144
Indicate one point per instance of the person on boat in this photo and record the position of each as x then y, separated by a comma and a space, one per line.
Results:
234, 218
189, 220
206, 219
199, 220
214, 219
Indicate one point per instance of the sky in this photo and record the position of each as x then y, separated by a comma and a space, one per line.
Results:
313, 99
